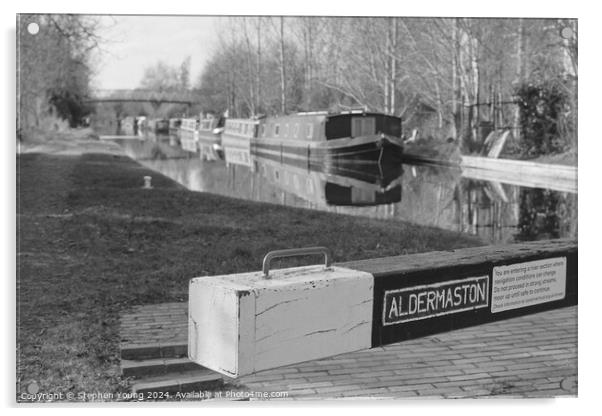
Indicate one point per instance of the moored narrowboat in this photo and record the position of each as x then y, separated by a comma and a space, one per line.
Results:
189, 135
159, 125
140, 126
174, 131
332, 138
174, 125
128, 126
236, 140
210, 142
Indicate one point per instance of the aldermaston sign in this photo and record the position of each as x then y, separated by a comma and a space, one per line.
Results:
427, 301
244, 323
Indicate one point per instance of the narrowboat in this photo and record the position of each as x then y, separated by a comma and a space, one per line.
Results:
210, 142
174, 125
236, 140
174, 131
331, 138
159, 126
141, 126
128, 126
189, 135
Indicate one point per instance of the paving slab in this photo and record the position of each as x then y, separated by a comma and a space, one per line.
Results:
529, 356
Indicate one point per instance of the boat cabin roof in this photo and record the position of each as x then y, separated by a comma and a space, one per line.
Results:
323, 125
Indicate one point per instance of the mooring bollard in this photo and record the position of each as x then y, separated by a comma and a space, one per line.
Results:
147, 182
244, 323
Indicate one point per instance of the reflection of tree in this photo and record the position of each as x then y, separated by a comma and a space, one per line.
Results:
157, 153
487, 209
546, 214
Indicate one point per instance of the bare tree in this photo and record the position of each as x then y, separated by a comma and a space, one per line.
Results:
54, 70
448, 75
282, 69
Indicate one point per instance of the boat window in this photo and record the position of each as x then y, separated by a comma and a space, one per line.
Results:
262, 130
362, 126
310, 131
277, 130
296, 130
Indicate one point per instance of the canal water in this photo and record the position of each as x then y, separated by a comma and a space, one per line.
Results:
435, 196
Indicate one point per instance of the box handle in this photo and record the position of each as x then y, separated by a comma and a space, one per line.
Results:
294, 252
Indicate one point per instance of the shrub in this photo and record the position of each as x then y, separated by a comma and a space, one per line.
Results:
544, 123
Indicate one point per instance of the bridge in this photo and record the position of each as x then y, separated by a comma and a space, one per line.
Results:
139, 95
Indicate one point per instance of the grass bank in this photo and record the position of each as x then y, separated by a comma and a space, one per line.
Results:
568, 158
92, 243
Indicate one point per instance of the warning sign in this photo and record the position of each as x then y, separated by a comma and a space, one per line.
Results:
530, 283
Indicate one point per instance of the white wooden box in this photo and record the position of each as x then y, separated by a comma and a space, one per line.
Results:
241, 324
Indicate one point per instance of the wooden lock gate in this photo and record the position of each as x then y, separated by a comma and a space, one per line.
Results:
244, 323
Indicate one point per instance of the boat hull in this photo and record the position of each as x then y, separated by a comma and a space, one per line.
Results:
339, 152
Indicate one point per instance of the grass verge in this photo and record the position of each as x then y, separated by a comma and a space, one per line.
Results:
92, 243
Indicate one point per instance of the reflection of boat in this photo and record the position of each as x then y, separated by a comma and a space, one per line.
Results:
203, 137
358, 185
349, 137
209, 139
174, 126
236, 140
139, 149
189, 135
174, 131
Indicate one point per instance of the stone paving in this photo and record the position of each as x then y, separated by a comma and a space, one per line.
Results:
154, 324
530, 356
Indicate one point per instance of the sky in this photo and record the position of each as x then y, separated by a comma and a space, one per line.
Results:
133, 43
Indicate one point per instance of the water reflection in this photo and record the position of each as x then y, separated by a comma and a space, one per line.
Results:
433, 196
346, 185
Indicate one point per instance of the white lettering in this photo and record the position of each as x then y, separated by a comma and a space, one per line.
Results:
394, 311
457, 296
412, 304
421, 302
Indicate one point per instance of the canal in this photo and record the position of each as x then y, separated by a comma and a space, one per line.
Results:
497, 212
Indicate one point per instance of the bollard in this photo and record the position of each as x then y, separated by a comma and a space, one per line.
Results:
147, 182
